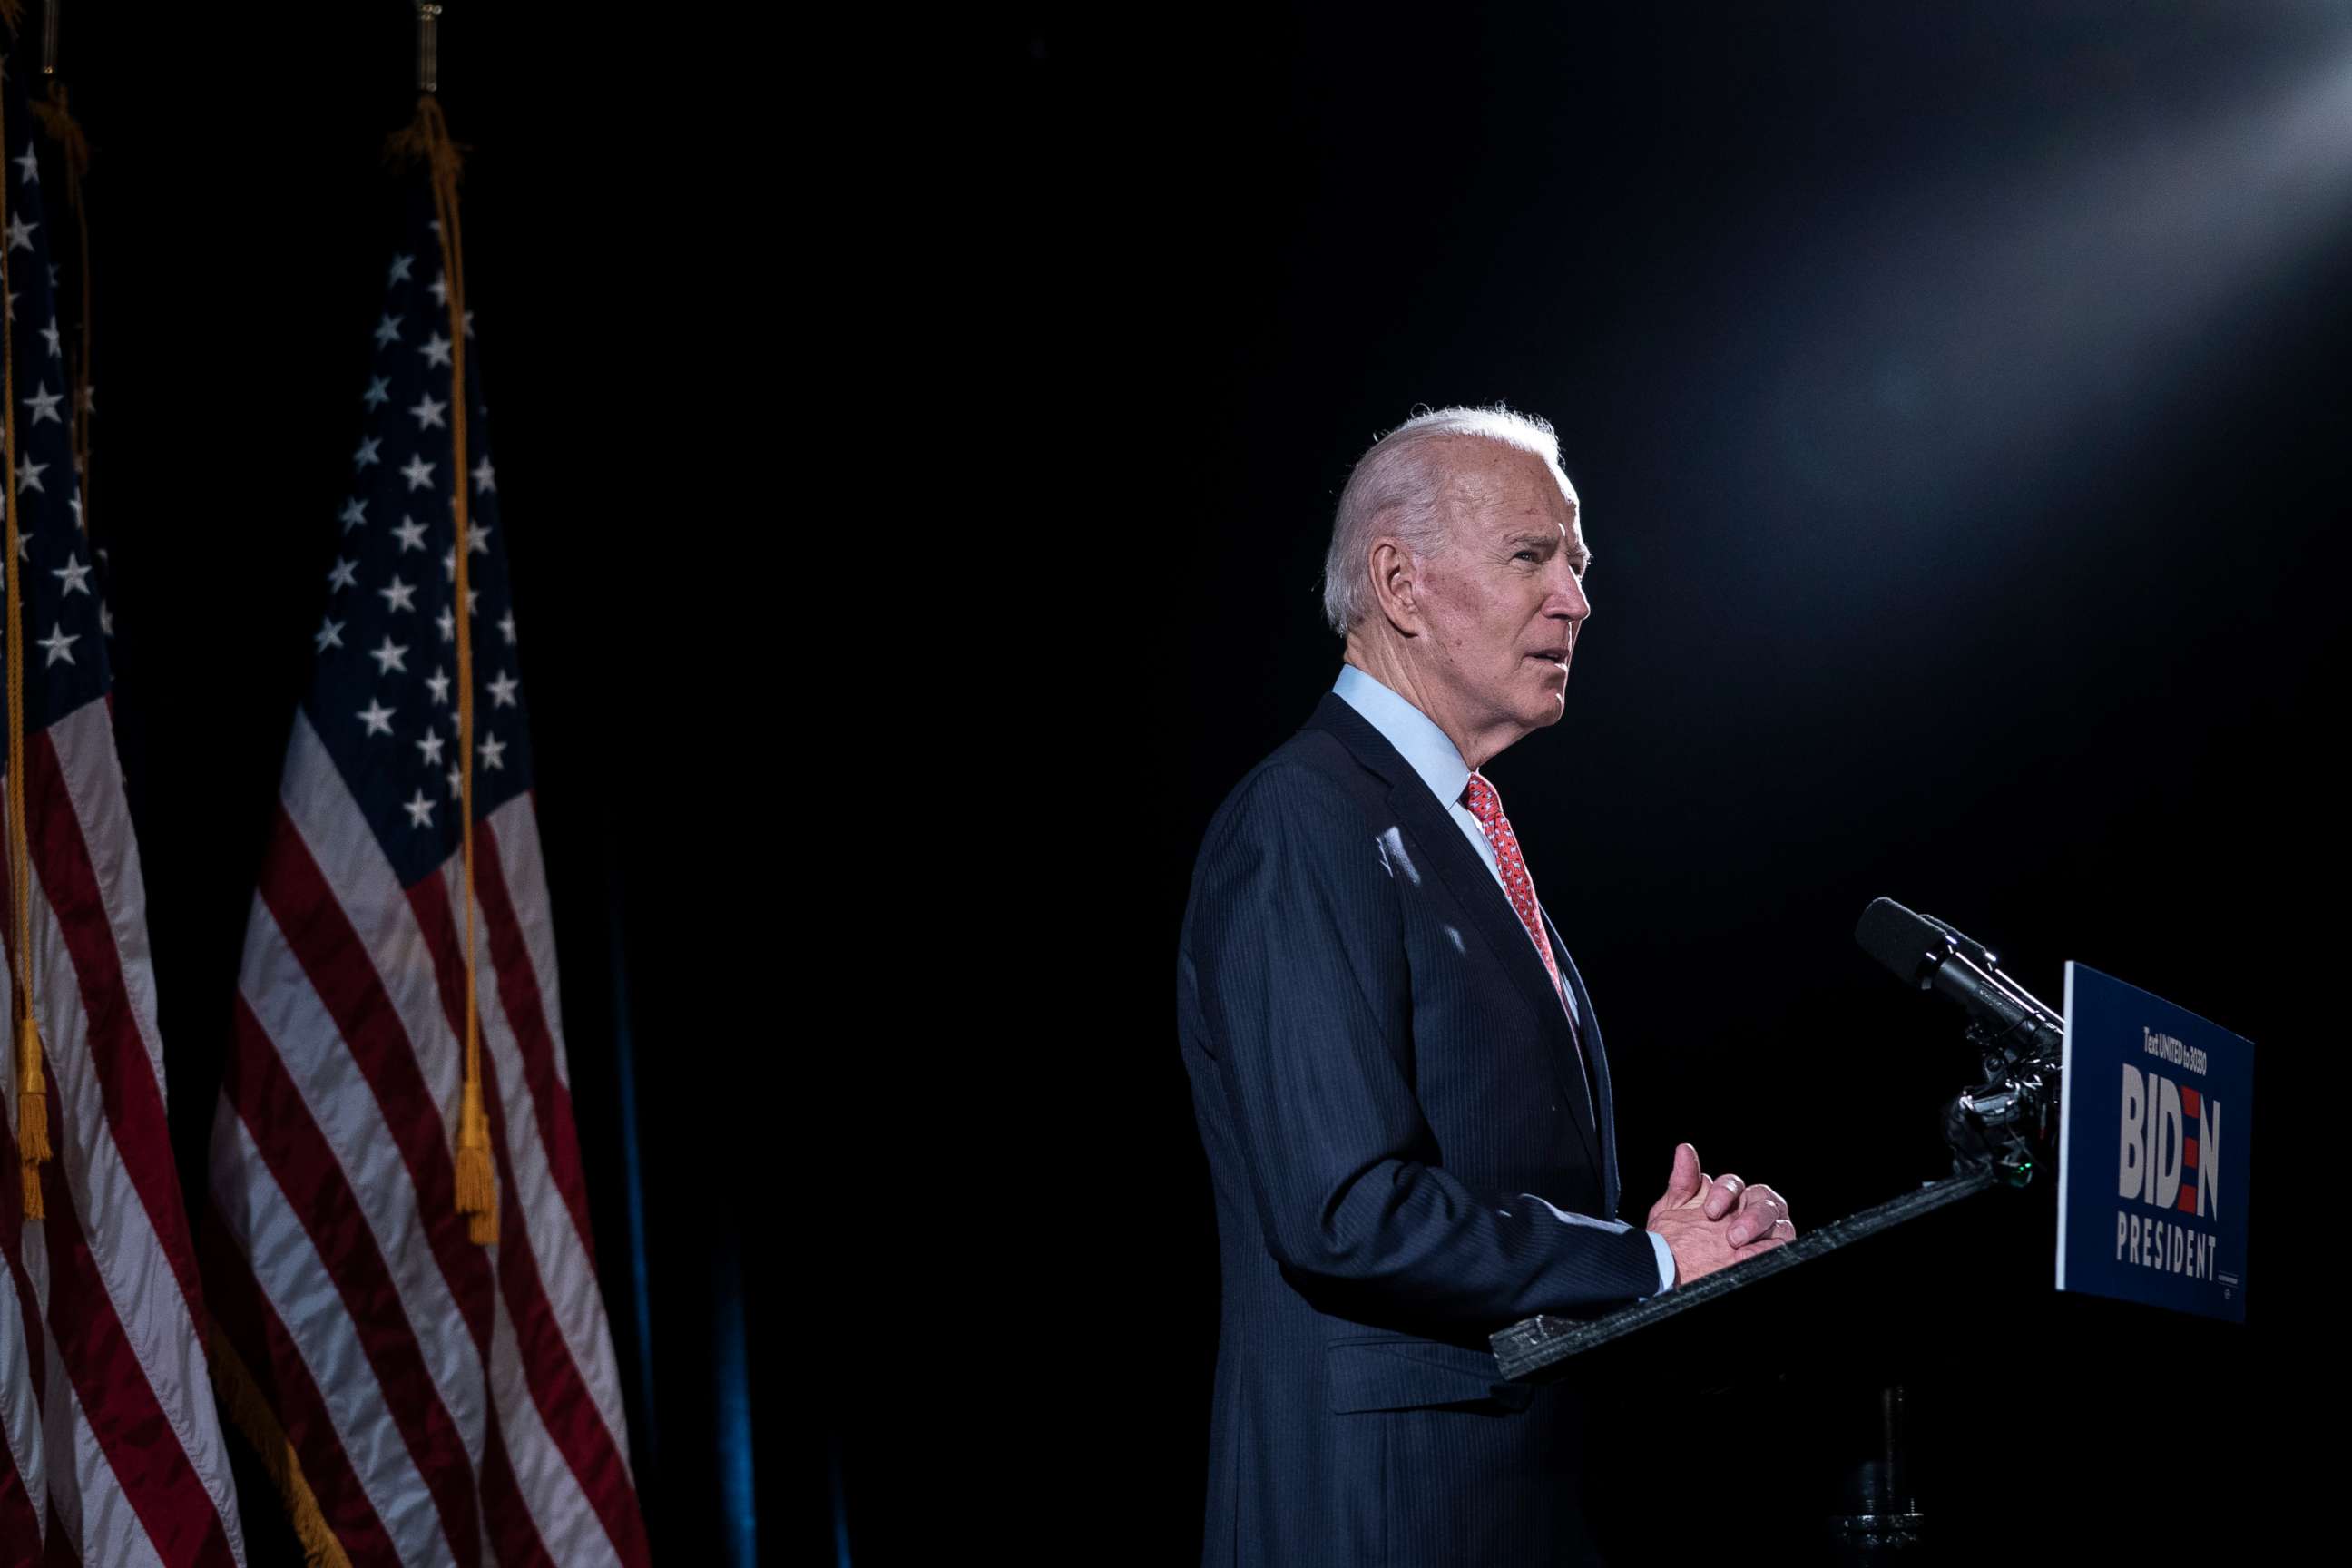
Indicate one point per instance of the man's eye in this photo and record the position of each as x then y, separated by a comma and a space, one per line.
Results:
1525, 555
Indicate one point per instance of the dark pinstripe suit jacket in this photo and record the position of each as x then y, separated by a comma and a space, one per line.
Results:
1380, 1069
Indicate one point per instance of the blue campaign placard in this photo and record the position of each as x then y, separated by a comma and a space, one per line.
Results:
2156, 1109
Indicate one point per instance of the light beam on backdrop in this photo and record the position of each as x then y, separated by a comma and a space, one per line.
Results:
1965, 334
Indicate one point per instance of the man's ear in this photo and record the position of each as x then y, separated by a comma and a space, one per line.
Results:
1396, 584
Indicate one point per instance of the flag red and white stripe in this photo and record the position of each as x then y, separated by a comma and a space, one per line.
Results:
448, 1403
110, 1452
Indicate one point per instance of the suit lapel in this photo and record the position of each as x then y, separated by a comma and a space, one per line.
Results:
1444, 846
1604, 1097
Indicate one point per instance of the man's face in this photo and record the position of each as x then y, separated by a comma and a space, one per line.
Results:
1500, 606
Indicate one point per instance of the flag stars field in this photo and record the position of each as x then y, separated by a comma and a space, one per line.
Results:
408, 437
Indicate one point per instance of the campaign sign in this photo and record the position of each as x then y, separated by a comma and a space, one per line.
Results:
2156, 1109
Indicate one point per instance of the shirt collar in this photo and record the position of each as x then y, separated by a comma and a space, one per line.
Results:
1413, 733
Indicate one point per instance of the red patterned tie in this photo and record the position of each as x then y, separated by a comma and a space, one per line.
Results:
1488, 808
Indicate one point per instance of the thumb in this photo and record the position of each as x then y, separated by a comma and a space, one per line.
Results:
1685, 1182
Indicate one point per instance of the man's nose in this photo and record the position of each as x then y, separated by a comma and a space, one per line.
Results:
1568, 598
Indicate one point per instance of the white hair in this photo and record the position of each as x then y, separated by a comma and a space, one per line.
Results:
1394, 489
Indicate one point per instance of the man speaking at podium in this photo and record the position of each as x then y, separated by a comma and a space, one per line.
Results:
1398, 1074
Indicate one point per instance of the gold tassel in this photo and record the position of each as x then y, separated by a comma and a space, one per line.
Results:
478, 1181
32, 1090
32, 1095
32, 1115
427, 138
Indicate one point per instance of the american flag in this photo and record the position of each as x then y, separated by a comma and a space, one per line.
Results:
111, 1451
420, 1398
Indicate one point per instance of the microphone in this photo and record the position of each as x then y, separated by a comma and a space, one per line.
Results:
1984, 958
1926, 952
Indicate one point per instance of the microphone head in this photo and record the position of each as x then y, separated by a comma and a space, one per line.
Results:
1903, 941
1967, 947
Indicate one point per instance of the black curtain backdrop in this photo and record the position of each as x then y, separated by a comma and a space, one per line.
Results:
241, 218
1956, 398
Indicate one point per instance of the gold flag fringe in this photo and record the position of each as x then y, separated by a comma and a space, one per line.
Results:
243, 1401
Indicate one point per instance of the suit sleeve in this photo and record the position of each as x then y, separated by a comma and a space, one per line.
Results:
1296, 960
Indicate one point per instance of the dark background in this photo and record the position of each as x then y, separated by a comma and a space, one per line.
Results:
926, 452
1957, 399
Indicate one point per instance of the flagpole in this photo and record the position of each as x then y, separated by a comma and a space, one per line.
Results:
429, 46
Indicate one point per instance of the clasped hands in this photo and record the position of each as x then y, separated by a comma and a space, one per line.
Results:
1714, 1222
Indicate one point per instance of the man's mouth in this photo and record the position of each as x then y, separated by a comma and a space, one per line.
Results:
1551, 655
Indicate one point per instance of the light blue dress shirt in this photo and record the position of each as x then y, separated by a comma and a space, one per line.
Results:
1439, 764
